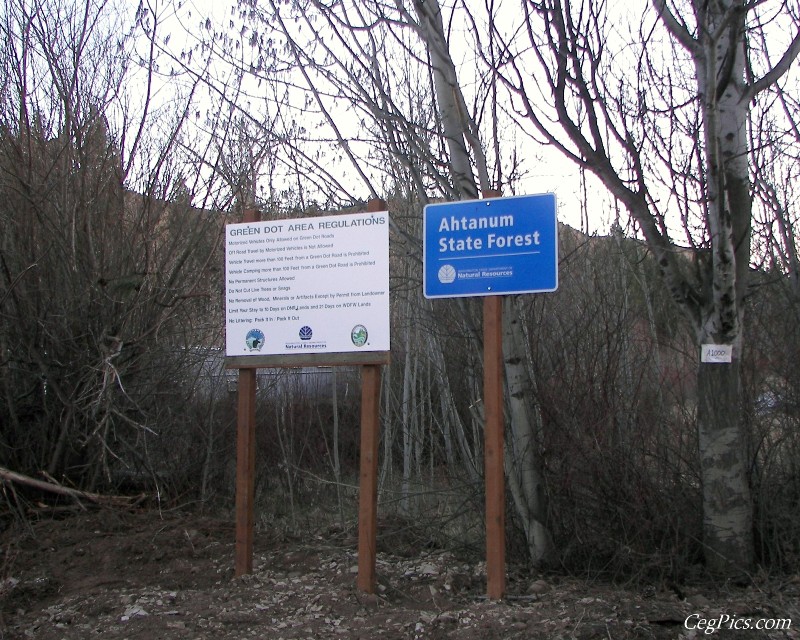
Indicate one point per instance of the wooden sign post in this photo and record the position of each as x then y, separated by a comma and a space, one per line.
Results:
494, 477
491, 247
368, 477
371, 367
245, 456
493, 447
368, 474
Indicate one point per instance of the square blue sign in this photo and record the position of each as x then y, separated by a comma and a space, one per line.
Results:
490, 247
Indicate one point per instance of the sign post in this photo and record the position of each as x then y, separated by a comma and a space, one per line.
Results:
368, 477
308, 292
493, 447
245, 458
368, 474
491, 247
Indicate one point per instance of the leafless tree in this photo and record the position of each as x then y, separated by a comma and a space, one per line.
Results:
374, 97
661, 119
107, 269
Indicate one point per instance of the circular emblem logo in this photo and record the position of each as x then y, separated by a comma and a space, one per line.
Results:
306, 333
359, 335
254, 339
447, 274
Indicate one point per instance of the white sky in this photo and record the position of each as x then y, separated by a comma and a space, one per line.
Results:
547, 170
551, 173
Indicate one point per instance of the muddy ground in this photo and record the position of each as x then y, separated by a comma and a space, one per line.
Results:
149, 574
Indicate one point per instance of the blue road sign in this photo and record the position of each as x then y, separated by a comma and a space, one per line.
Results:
490, 247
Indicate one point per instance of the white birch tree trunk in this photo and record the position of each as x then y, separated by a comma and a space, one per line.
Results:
727, 507
524, 473
523, 463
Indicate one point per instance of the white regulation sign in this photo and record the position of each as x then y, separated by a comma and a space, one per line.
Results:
307, 285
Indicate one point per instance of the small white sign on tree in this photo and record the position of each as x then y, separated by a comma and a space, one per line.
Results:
716, 353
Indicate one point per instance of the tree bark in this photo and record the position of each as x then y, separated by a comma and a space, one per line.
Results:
727, 507
522, 447
406, 421
727, 510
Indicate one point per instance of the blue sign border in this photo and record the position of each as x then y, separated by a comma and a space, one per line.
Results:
489, 247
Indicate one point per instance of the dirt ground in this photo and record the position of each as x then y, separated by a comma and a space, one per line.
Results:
115, 574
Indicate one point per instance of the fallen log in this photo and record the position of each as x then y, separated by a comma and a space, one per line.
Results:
76, 494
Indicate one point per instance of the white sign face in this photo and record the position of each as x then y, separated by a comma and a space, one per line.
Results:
307, 285
718, 353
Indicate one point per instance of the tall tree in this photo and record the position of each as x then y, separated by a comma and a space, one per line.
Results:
462, 135
661, 119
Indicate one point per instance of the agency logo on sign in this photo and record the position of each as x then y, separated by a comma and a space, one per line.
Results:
447, 274
359, 335
306, 333
254, 339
